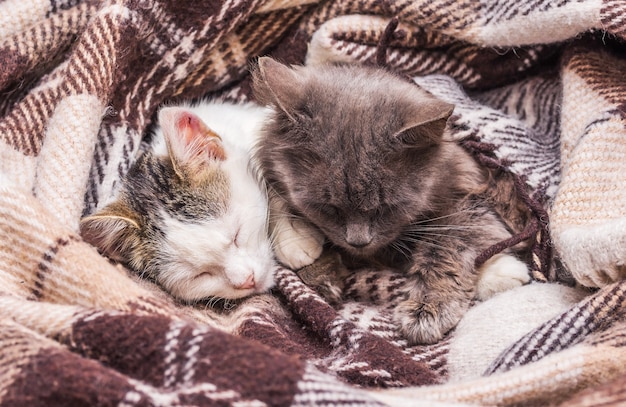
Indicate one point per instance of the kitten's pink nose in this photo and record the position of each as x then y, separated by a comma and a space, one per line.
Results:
249, 283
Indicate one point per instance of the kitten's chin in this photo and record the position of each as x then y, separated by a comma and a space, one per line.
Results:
204, 288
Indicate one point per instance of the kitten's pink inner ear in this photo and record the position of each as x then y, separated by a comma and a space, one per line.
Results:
195, 133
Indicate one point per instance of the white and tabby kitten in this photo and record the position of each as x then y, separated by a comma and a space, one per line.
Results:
192, 213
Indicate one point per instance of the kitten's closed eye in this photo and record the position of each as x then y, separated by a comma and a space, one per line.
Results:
330, 211
192, 213
236, 237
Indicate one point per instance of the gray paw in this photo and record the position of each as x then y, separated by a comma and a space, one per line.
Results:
426, 323
326, 276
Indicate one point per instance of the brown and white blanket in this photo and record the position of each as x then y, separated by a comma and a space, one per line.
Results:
540, 90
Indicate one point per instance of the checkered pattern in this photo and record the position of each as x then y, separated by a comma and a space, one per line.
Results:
539, 91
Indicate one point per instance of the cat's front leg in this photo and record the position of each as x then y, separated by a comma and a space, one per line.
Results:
297, 243
442, 286
326, 275
442, 294
426, 320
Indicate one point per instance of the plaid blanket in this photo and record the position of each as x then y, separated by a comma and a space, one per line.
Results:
540, 93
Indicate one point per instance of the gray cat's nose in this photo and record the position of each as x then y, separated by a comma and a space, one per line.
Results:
358, 235
359, 244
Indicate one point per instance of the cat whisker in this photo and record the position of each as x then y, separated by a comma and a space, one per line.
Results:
443, 226
213, 301
276, 214
274, 238
402, 248
448, 231
449, 215
229, 304
207, 304
428, 234
428, 242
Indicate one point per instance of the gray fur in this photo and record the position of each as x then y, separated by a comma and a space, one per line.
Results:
362, 155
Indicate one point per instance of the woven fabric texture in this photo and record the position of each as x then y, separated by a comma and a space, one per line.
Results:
540, 94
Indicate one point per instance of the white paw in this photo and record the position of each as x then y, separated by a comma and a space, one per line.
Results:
500, 273
297, 244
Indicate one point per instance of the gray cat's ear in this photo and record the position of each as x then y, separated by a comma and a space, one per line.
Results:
278, 84
112, 230
190, 142
426, 124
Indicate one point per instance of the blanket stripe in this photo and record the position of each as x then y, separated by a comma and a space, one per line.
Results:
539, 93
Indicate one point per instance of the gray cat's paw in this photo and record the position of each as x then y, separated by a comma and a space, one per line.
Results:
500, 273
426, 323
297, 244
327, 276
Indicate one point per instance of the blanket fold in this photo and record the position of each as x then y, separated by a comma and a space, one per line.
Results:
539, 94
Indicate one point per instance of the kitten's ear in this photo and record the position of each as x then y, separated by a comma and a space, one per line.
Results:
113, 230
426, 124
190, 142
277, 84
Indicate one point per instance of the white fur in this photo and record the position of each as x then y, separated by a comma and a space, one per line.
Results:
500, 273
296, 242
239, 126
216, 257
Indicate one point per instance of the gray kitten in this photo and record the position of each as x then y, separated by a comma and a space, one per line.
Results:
360, 156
